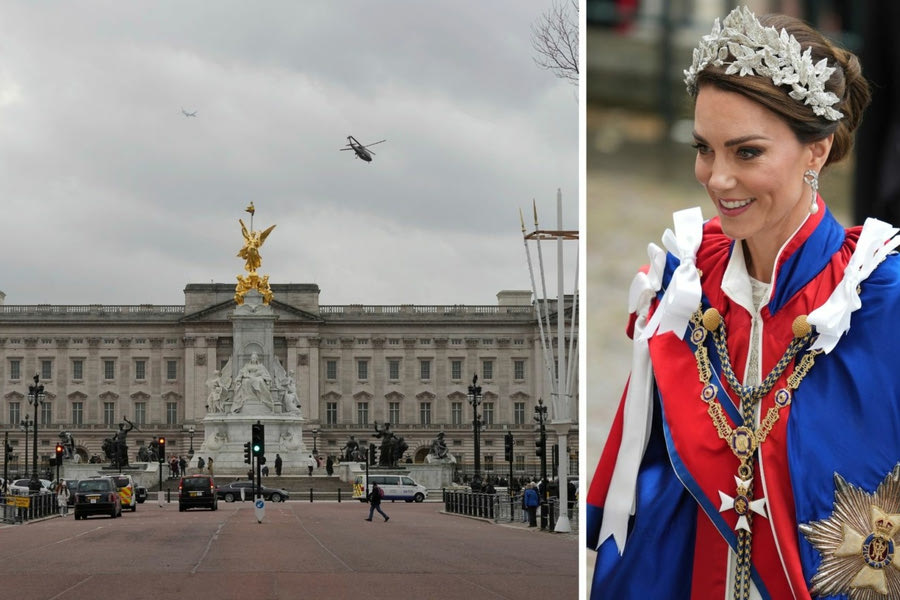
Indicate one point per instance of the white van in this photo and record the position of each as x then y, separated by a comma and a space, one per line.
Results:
396, 487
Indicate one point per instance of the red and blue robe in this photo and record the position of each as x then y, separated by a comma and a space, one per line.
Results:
844, 419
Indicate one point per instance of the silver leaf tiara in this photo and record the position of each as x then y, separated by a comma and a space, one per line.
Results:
763, 51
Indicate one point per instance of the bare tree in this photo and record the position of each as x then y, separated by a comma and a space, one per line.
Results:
555, 39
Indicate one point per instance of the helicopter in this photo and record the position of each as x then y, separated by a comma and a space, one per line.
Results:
362, 151
188, 114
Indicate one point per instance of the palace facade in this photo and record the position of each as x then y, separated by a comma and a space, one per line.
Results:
409, 365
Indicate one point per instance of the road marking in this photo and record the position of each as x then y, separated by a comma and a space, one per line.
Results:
85, 580
209, 544
321, 545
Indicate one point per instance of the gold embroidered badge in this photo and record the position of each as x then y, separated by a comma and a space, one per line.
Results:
858, 541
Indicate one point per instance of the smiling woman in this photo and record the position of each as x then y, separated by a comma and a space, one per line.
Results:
751, 408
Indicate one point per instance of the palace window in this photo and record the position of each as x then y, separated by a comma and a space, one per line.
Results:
15, 413
362, 413
77, 369
15, 368
331, 413
331, 370
362, 370
109, 413
46, 369
456, 369
424, 369
393, 412
519, 413
140, 413
171, 413
171, 370
78, 413
488, 414
487, 369
456, 411
394, 369
140, 370
109, 369
47, 413
518, 370
425, 413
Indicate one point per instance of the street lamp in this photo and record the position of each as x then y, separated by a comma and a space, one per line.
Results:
540, 415
35, 397
364, 445
475, 399
25, 426
315, 433
191, 449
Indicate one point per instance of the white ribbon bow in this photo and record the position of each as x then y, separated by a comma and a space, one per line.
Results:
683, 294
638, 412
832, 319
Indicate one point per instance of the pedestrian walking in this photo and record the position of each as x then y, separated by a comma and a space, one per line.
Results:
278, 464
209, 465
265, 470
532, 501
329, 466
374, 498
201, 464
62, 498
182, 465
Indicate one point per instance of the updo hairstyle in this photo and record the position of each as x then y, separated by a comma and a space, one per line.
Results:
847, 83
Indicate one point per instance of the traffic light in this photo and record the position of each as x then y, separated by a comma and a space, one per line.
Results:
509, 446
59, 454
258, 439
162, 449
9, 452
247, 453
539, 448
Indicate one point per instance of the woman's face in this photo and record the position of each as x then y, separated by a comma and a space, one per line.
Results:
752, 166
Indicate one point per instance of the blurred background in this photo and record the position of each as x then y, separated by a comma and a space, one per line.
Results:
640, 163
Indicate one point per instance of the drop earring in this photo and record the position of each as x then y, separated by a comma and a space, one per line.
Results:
811, 178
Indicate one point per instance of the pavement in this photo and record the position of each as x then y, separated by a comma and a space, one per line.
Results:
299, 550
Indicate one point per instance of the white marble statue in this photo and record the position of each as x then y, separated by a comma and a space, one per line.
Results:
291, 401
214, 401
253, 381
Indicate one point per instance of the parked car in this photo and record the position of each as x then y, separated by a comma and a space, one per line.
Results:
97, 495
127, 494
141, 493
20, 486
395, 487
232, 491
197, 491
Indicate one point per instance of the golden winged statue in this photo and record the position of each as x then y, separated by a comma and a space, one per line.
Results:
253, 240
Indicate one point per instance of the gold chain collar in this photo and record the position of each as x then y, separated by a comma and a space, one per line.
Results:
746, 439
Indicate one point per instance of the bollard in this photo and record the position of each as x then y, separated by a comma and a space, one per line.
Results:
169, 495
339, 495
310, 494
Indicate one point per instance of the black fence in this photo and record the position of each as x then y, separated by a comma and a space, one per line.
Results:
27, 507
505, 508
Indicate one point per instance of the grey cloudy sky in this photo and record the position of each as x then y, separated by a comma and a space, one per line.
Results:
112, 196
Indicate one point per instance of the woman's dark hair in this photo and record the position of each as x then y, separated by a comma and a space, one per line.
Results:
846, 82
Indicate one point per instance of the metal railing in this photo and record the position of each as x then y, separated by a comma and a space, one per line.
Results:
27, 507
504, 508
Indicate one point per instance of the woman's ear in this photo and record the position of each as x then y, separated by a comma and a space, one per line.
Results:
819, 151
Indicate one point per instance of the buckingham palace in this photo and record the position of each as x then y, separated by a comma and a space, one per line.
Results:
355, 366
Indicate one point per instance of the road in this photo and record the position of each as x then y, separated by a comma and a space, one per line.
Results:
300, 550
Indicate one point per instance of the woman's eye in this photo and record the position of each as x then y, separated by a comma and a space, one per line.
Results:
747, 153
700, 148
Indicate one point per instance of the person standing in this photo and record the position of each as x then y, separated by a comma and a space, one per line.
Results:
329, 466
201, 464
278, 465
62, 497
532, 501
209, 465
374, 498
755, 450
